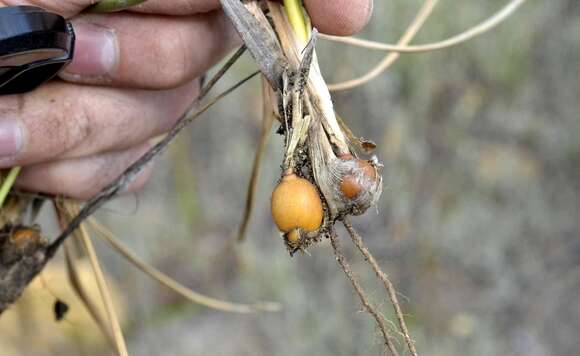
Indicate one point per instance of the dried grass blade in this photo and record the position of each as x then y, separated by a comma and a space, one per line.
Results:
80, 291
267, 122
409, 34
481, 28
71, 209
257, 34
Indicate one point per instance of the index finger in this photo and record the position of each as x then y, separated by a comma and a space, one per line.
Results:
336, 17
339, 17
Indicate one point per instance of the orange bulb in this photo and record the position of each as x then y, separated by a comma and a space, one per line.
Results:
296, 204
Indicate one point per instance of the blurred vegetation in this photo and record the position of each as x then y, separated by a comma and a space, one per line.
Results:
477, 226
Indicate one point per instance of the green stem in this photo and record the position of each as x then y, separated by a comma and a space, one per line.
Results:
295, 13
8, 183
113, 5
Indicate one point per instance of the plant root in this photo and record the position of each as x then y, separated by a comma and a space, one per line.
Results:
357, 239
368, 307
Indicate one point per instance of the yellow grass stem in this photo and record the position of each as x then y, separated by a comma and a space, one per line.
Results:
8, 183
298, 21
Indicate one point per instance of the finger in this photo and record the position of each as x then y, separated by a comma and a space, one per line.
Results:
339, 17
60, 120
70, 8
148, 52
66, 8
82, 178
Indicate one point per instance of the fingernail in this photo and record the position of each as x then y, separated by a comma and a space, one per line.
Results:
11, 138
96, 51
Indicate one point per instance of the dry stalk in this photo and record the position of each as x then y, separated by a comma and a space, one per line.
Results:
379, 318
267, 121
70, 210
248, 18
80, 291
407, 37
75, 280
356, 238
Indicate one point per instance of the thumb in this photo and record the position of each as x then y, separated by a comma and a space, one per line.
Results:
66, 8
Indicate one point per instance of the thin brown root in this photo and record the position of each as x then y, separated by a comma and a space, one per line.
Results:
172, 284
407, 37
80, 291
379, 318
356, 238
267, 121
456, 40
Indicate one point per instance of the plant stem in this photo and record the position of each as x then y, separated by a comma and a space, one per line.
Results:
8, 183
113, 5
297, 20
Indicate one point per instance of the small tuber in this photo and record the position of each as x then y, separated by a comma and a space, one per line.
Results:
296, 205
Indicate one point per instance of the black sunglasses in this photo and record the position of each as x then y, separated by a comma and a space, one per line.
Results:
34, 46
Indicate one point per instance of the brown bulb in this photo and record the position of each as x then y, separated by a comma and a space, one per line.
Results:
296, 204
359, 176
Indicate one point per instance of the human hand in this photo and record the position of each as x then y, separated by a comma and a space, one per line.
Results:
134, 74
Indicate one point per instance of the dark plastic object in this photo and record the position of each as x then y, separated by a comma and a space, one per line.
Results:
34, 46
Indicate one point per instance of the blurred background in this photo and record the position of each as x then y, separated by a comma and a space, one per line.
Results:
478, 225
